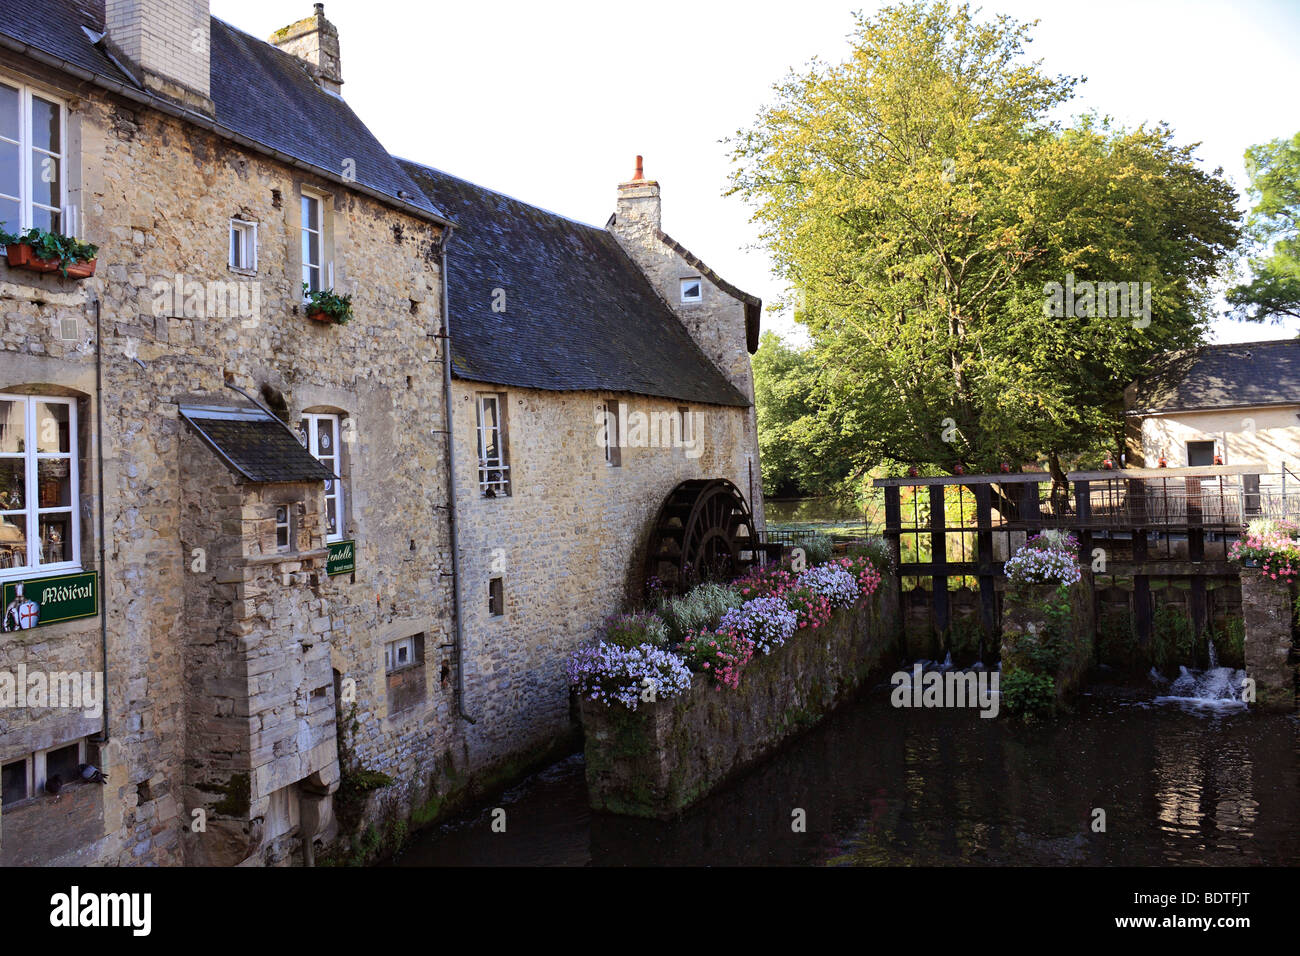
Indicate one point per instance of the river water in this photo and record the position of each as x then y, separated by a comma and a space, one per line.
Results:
1179, 781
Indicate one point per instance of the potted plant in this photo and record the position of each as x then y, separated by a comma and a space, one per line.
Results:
39, 250
324, 306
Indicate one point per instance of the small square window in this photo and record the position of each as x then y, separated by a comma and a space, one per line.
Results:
243, 245
399, 654
282, 527
63, 762
14, 786
496, 597
692, 290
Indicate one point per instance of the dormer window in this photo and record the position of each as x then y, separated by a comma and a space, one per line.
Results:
692, 290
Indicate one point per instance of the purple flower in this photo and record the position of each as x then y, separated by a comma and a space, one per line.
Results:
622, 675
767, 621
832, 582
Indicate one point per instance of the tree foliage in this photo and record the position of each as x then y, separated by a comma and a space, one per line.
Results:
798, 444
921, 199
1273, 291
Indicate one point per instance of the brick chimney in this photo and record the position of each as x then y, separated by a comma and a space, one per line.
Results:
638, 203
315, 41
168, 41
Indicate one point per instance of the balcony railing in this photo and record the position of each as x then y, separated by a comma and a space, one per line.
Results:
493, 478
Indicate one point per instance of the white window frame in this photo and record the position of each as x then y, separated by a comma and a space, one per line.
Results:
312, 444
25, 164
697, 280
39, 768
31, 498
287, 526
390, 654
500, 464
325, 267
243, 234
36, 767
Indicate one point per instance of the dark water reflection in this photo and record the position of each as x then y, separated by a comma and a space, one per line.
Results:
896, 787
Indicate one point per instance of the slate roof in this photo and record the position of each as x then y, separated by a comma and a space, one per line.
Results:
1216, 377
259, 93
579, 314
254, 444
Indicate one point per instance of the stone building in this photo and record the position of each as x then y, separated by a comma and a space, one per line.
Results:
1239, 401
236, 521
555, 326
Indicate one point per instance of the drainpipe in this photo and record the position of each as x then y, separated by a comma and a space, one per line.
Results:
103, 545
459, 637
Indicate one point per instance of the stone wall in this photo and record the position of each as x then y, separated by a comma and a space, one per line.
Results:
568, 543
1270, 643
667, 755
1030, 627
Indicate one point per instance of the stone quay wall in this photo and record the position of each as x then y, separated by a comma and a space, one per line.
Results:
1270, 644
665, 756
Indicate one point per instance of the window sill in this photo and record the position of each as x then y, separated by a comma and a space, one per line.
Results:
280, 557
10, 575
251, 273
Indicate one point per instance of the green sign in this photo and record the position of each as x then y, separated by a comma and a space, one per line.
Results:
50, 600
341, 558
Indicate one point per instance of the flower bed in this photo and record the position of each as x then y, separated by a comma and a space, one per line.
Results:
714, 629
788, 649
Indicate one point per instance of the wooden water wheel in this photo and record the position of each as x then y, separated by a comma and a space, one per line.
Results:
703, 531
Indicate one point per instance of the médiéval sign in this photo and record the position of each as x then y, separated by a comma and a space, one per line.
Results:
29, 604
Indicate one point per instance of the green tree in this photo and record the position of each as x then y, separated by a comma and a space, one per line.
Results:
921, 198
1273, 291
797, 441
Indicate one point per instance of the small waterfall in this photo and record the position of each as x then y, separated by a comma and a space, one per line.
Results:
1216, 688
947, 662
1214, 654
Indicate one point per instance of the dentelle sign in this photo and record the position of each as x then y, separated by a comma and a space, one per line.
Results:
341, 559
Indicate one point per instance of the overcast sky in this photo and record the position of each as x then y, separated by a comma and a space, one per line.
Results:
551, 101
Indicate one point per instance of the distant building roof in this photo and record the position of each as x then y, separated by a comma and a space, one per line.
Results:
253, 443
260, 93
578, 314
1216, 377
